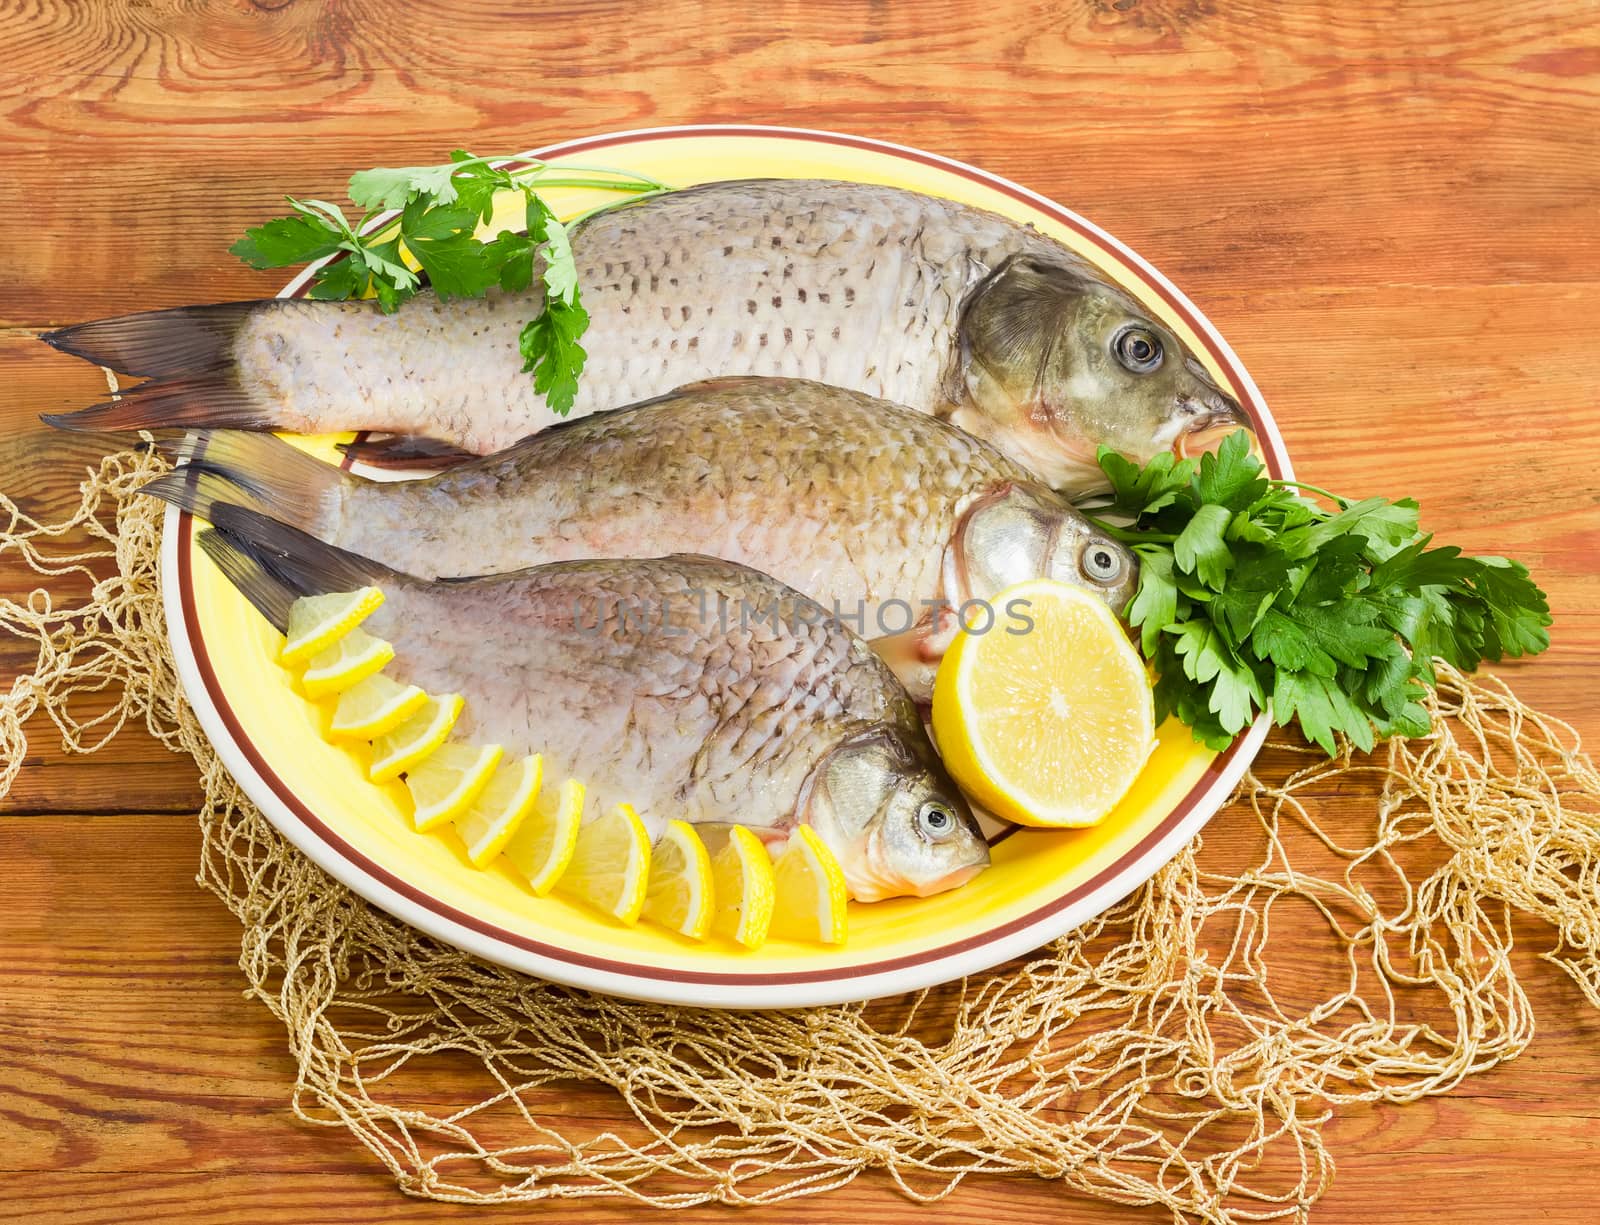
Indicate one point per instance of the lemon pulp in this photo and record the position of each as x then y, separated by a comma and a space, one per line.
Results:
1049, 727
809, 891
679, 893
317, 622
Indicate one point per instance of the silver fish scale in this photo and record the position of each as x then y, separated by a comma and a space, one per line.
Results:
838, 495
856, 285
704, 725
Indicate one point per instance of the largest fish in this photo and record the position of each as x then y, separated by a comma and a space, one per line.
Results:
873, 510
926, 302
765, 725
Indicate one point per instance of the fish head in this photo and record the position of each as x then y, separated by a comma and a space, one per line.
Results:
1021, 531
1054, 362
897, 824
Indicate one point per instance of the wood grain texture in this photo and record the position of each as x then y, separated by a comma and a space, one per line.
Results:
133, 1078
1389, 210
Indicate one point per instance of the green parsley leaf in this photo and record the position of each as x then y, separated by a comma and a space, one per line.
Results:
396, 186
1200, 548
1176, 695
477, 182
1230, 476
1319, 637
287, 240
1359, 519
560, 269
391, 280
1250, 591
513, 255
339, 280
1234, 694
1143, 491
444, 243
1320, 707
1258, 579
550, 349
441, 208
1516, 608
1155, 604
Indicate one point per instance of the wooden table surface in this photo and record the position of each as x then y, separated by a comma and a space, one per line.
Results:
1389, 209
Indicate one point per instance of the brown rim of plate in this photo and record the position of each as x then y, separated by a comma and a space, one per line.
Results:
1247, 398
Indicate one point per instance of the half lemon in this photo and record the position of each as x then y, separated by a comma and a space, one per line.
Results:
1048, 727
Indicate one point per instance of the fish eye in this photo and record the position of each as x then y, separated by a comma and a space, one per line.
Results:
1102, 563
935, 821
1137, 348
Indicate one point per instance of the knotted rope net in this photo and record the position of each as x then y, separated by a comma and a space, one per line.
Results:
1159, 1055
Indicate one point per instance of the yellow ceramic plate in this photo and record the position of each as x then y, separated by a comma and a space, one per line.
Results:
1041, 884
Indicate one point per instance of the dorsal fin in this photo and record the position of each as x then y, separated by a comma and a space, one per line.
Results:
724, 382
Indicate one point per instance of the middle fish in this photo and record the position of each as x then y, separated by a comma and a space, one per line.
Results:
889, 517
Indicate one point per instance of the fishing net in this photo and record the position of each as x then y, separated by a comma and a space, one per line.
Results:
1166, 1053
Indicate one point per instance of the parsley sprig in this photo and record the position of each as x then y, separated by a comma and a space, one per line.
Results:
440, 209
1252, 591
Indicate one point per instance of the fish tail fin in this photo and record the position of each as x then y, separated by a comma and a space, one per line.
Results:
160, 344
187, 354
260, 472
211, 400
273, 564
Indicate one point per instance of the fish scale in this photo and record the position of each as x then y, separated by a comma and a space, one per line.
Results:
613, 705
917, 300
766, 725
825, 489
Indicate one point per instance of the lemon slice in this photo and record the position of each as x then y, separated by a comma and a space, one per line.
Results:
542, 847
446, 784
1049, 727
398, 750
610, 864
499, 805
374, 706
352, 658
809, 894
316, 622
679, 894
742, 885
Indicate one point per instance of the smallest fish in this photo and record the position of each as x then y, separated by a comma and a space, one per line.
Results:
603, 667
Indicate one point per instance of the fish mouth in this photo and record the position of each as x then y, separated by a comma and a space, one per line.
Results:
922, 888
957, 878
1209, 431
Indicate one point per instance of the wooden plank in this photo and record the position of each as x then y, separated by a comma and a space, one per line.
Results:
1406, 1191
130, 1067
246, 1198
1283, 146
